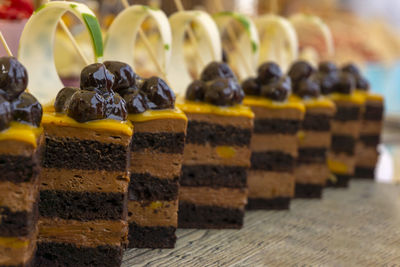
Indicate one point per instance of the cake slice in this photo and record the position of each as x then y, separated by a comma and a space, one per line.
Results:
85, 175
274, 145
311, 170
216, 157
156, 158
20, 142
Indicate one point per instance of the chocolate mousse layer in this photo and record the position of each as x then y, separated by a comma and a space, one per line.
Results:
345, 133
83, 194
216, 158
366, 147
156, 159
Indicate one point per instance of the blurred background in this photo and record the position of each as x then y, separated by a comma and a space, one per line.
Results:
366, 32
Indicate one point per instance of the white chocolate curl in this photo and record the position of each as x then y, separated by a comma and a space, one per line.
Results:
209, 47
36, 47
121, 36
278, 42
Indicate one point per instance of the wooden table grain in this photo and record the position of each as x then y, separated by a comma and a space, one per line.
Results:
358, 226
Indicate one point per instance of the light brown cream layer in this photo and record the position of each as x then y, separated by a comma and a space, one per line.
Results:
346, 103
160, 165
216, 155
207, 196
16, 148
86, 134
83, 180
15, 251
274, 142
366, 156
371, 127
20, 196
343, 159
236, 121
351, 128
161, 125
314, 139
287, 114
80, 233
156, 213
265, 184
311, 173
321, 110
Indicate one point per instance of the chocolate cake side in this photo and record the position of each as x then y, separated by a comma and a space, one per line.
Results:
274, 148
156, 159
216, 157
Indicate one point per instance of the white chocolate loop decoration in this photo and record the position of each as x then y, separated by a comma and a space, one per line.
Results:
121, 36
36, 47
279, 41
209, 46
248, 43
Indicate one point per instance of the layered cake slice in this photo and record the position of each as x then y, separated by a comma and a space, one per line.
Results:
371, 126
216, 157
20, 141
311, 170
274, 145
85, 175
339, 87
156, 158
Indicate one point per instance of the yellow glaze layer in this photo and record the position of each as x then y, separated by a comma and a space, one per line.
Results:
13, 242
268, 103
353, 98
317, 102
370, 96
21, 132
119, 127
157, 115
226, 152
337, 167
204, 108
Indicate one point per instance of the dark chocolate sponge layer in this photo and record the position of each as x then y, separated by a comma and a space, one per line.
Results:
311, 155
342, 181
275, 126
199, 132
343, 144
143, 186
213, 176
19, 223
373, 113
212, 217
272, 161
370, 140
159, 142
64, 254
278, 203
308, 191
82, 206
317, 122
347, 113
18, 169
71, 153
364, 173
151, 236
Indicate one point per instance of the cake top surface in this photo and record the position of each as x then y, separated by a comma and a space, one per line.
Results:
206, 108
270, 83
20, 112
217, 86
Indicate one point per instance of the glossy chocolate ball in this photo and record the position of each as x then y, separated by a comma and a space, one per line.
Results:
238, 93
124, 75
219, 92
196, 91
362, 84
135, 102
97, 77
345, 83
27, 109
269, 72
251, 87
326, 81
86, 106
300, 70
216, 70
327, 67
307, 88
116, 108
351, 68
63, 98
159, 93
13, 78
278, 90
5, 113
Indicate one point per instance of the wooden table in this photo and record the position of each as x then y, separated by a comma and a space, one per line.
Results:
359, 226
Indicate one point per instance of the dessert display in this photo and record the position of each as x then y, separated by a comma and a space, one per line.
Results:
274, 144
311, 170
345, 125
216, 157
20, 143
